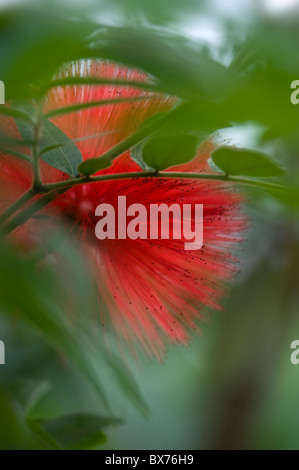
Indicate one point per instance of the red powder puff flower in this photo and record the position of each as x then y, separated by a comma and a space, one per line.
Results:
153, 290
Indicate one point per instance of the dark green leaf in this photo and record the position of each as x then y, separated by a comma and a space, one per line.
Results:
44, 437
25, 290
181, 69
66, 158
164, 152
91, 442
241, 162
28, 36
76, 429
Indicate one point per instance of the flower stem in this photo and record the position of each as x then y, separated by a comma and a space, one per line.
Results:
170, 175
55, 189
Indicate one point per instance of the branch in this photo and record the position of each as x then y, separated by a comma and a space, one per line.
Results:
55, 189
169, 175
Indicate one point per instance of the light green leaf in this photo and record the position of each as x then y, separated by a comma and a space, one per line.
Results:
164, 152
128, 385
241, 162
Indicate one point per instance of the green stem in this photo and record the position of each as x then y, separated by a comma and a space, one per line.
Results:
100, 81
88, 167
26, 214
22, 156
54, 189
178, 175
16, 205
37, 181
92, 104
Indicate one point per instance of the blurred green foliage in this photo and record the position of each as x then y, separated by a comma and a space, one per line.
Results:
54, 387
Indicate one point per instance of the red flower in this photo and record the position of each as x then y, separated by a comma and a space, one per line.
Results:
153, 290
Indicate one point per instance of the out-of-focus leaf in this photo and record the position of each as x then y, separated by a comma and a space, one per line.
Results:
289, 198
10, 430
241, 162
36, 396
42, 435
15, 113
78, 429
41, 297
180, 67
28, 36
196, 117
164, 152
29, 292
90, 443
128, 385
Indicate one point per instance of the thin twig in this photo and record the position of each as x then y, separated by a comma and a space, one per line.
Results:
16, 205
25, 215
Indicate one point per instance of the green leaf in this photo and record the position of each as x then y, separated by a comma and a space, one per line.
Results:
25, 129
15, 113
44, 437
180, 68
241, 162
128, 385
66, 158
36, 396
28, 36
91, 442
164, 152
78, 139
35, 294
77, 430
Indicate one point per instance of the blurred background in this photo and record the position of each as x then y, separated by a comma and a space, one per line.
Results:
234, 387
